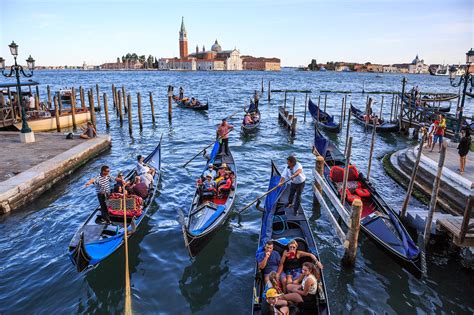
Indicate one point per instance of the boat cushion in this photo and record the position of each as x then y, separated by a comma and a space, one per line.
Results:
219, 210
362, 192
133, 204
350, 196
337, 174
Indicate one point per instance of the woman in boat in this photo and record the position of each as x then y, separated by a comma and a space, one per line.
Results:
225, 184
276, 284
307, 284
290, 265
221, 173
248, 119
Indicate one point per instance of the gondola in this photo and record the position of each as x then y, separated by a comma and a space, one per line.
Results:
251, 128
382, 126
378, 221
281, 225
424, 102
186, 103
208, 212
95, 241
323, 119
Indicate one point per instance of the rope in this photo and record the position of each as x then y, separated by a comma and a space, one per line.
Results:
284, 223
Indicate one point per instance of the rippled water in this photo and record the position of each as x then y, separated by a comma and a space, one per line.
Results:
36, 275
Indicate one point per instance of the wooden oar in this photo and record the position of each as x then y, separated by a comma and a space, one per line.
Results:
184, 165
128, 295
257, 199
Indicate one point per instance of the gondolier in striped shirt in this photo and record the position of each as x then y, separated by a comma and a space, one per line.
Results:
294, 171
102, 184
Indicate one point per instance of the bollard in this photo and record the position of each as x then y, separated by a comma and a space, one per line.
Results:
139, 105
284, 102
60, 103
350, 244
294, 103
152, 108
434, 196
98, 96
269, 91
120, 113
320, 170
124, 99
305, 106
130, 122
114, 99
403, 211
346, 170
262, 85
48, 90
170, 108
325, 101
371, 150
347, 131
83, 102
106, 111
91, 107
73, 108
56, 113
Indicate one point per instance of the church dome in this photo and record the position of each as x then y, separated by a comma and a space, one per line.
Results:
216, 47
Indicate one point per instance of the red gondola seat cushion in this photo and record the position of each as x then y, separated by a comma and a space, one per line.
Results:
362, 192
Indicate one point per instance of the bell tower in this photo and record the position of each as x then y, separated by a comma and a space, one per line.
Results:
183, 41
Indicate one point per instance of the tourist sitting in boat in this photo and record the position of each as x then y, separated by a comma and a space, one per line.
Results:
210, 171
248, 119
224, 185
89, 131
255, 117
276, 284
140, 189
120, 184
207, 189
193, 102
268, 260
277, 304
290, 265
221, 173
145, 172
307, 284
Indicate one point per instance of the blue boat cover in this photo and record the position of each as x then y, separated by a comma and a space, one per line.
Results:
214, 152
252, 108
411, 249
321, 144
220, 209
102, 249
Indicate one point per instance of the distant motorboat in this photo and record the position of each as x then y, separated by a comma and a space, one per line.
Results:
443, 70
322, 69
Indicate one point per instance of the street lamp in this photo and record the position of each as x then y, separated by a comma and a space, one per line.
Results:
464, 79
17, 69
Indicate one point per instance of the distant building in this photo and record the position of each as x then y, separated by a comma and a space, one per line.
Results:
418, 66
261, 63
389, 69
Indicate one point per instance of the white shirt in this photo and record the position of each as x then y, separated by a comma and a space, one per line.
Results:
142, 169
209, 172
31, 103
431, 129
287, 173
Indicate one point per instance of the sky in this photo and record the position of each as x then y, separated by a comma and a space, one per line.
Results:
296, 31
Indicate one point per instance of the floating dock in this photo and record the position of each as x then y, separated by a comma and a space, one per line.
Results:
29, 169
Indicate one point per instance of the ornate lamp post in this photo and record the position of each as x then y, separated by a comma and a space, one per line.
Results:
464, 79
26, 133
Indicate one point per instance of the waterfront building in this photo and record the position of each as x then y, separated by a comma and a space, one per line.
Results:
418, 66
389, 69
261, 63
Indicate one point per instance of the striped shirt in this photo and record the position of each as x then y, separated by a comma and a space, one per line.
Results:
102, 184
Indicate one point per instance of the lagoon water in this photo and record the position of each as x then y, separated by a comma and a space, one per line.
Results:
36, 276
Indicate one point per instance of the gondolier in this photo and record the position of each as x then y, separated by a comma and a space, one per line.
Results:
181, 93
255, 99
102, 184
294, 171
223, 134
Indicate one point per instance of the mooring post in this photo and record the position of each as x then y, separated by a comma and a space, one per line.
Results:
342, 111
37, 98
152, 108
404, 82
114, 101
346, 170
350, 244
434, 195
116, 96
262, 86
325, 101
130, 122
56, 113
83, 102
139, 105
106, 110
305, 106
320, 170
269, 92
92, 108
60, 103
124, 95
98, 96
371, 150
170, 109
391, 108
381, 107
319, 100
403, 211
410, 111
48, 90
294, 103
347, 132
293, 126
73, 108
284, 102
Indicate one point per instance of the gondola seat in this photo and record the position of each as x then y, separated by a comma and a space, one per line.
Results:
350, 196
336, 174
361, 191
133, 205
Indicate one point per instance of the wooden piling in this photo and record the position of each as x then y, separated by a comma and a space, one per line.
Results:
325, 101
305, 106
48, 90
293, 127
403, 211
320, 170
434, 196
284, 102
391, 108
346, 170
400, 118
92, 108
371, 150
381, 108
319, 100
342, 112
56, 114
366, 120
114, 100
83, 102
119, 105
60, 103
347, 132
269, 91
106, 110
170, 108
73, 108
37, 98
352, 236
139, 106
152, 109
262, 86
124, 99
294, 105
98, 96
410, 111
129, 103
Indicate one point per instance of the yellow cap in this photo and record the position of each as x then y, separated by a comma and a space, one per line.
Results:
272, 293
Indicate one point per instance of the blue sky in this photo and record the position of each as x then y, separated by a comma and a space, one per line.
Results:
381, 31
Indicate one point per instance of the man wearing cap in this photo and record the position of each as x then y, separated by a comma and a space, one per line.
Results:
223, 135
294, 171
278, 306
210, 171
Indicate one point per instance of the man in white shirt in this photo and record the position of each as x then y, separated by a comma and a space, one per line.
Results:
146, 173
294, 171
210, 171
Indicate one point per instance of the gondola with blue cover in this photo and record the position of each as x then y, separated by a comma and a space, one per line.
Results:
186, 103
323, 119
209, 212
281, 225
382, 125
95, 241
378, 221
251, 128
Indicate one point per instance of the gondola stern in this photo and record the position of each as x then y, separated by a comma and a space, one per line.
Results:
79, 256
